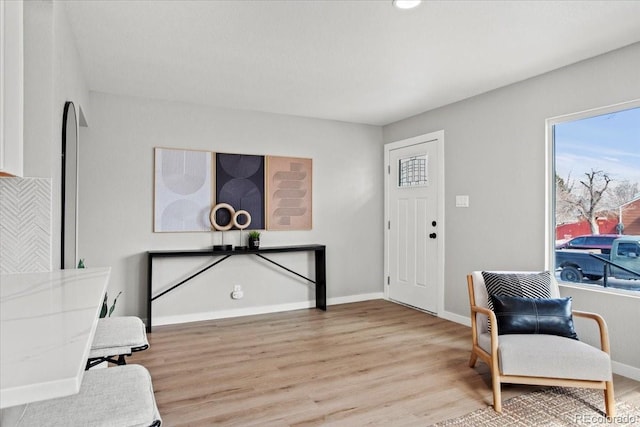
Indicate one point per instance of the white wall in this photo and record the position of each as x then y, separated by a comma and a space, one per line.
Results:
622, 315
11, 85
53, 75
116, 204
38, 89
495, 153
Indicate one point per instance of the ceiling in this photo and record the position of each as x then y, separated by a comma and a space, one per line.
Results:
355, 61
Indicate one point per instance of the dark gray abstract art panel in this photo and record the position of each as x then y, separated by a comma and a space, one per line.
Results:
240, 183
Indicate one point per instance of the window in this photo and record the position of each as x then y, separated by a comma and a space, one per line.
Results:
579, 241
595, 191
628, 250
413, 171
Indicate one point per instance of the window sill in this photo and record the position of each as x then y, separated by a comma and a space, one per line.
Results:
600, 289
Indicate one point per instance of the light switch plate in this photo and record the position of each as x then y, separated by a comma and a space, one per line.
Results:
462, 201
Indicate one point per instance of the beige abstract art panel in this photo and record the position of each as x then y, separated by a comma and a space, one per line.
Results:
288, 196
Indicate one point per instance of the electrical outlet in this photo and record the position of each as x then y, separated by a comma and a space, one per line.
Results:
237, 292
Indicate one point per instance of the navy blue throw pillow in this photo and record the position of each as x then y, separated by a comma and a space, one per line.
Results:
519, 315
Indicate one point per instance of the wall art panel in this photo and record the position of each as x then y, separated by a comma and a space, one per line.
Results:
289, 195
183, 190
240, 183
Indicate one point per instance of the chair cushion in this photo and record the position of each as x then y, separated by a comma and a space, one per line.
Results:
549, 356
518, 315
119, 396
118, 335
529, 285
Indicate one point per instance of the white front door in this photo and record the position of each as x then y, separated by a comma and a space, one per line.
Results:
413, 222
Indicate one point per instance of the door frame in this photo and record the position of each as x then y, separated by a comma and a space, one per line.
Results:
427, 137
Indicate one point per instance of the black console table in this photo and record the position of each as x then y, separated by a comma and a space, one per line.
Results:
320, 258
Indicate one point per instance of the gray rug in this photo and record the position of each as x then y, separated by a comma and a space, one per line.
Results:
555, 406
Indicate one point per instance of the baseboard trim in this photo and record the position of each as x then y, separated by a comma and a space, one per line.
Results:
355, 298
250, 311
463, 320
626, 370
224, 314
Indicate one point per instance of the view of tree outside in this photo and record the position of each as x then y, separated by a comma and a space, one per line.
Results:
597, 163
597, 191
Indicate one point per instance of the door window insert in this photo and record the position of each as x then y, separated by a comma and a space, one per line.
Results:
413, 171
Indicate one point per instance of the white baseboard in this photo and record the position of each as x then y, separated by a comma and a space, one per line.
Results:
250, 311
626, 370
355, 298
224, 314
463, 320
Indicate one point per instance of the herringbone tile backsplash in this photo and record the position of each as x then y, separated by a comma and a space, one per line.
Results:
25, 225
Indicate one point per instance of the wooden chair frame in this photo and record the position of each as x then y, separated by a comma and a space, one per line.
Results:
497, 378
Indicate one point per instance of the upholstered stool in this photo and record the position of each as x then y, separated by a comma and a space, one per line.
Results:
115, 338
117, 396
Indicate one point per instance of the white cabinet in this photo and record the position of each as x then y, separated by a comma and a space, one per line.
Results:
11, 87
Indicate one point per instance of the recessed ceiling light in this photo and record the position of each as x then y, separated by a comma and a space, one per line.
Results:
406, 4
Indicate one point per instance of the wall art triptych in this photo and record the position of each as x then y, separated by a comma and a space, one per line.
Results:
275, 191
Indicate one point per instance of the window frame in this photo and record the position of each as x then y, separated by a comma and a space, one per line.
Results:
550, 189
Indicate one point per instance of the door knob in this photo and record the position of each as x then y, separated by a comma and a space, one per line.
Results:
432, 235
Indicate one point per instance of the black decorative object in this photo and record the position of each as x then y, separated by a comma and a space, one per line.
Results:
69, 187
254, 239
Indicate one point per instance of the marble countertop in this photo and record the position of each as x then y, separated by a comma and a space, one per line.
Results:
47, 323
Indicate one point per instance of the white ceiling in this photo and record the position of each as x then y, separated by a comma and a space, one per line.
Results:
356, 61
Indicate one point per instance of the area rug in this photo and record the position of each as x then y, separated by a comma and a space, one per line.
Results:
554, 406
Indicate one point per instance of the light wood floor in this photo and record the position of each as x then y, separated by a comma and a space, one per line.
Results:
366, 363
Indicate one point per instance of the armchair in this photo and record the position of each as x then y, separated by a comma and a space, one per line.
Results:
537, 359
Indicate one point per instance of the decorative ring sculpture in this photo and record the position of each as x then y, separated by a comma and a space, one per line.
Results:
237, 215
212, 216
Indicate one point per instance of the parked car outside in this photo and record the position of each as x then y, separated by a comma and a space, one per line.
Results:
602, 242
624, 257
